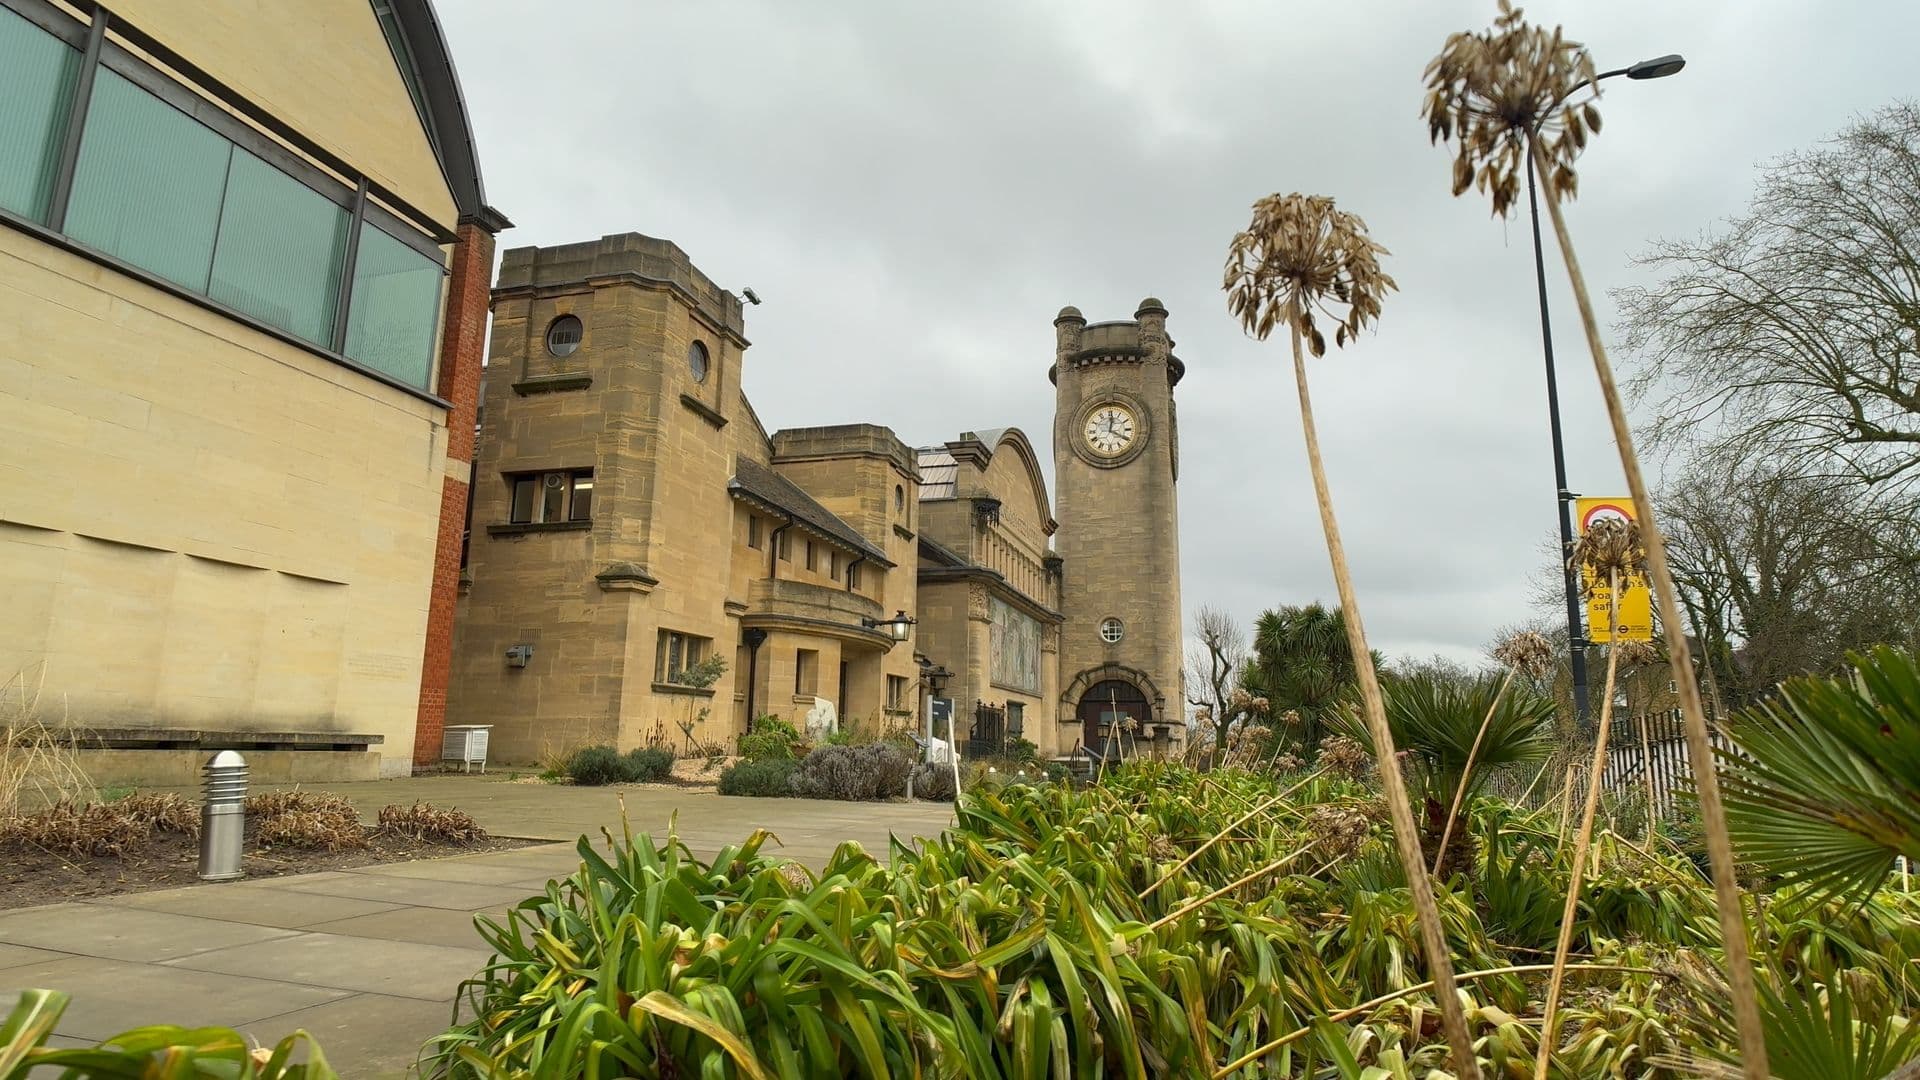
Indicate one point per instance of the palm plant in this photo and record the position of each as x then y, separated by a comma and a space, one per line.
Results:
1454, 733
1821, 778
1302, 663
1301, 255
1504, 96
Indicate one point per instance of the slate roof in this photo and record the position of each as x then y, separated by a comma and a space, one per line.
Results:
761, 484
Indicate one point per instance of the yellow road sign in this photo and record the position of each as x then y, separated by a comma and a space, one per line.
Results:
1636, 599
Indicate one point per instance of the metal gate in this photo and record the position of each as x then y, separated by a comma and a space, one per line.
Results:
989, 735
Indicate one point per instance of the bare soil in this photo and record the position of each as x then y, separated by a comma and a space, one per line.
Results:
31, 876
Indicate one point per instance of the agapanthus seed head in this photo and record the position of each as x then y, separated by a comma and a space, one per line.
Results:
1300, 256
1611, 546
1635, 653
1529, 653
1491, 91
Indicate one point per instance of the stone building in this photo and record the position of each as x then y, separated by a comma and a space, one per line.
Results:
243, 291
633, 518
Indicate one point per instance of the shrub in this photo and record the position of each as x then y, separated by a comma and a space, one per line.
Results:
596, 765
854, 773
649, 764
77, 829
305, 819
933, 782
1022, 750
166, 812
424, 821
772, 739
151, 1051
767, 777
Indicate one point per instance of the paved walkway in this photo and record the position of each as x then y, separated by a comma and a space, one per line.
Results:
369, 959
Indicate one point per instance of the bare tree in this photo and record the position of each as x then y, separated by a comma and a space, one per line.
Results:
1213, 669
1780, 573
1796, 326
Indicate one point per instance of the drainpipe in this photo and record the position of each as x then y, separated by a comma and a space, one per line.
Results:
773, 549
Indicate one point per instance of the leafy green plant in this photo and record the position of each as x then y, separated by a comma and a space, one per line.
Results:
1820, 780
158, 1052
765, 777
649, 764
772, 739
594, 766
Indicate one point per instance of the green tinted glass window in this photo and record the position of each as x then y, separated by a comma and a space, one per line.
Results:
395, 307
36, 83
149, 183
279, 251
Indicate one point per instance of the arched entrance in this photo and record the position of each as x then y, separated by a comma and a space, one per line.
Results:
1104, 705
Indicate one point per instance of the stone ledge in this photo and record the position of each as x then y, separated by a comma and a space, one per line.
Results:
677, 688
630, 577
703, 410
521, 528
902, 531
546, 384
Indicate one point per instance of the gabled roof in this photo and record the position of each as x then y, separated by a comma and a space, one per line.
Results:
762, 485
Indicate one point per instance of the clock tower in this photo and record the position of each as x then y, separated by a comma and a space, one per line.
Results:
1116, 454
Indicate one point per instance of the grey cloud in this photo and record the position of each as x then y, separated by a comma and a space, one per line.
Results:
915, 189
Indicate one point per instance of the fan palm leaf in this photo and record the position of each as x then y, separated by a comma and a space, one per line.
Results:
1823, 781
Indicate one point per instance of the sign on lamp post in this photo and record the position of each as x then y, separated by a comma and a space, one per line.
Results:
1636, 599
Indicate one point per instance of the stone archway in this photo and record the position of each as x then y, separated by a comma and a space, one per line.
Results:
1098, 696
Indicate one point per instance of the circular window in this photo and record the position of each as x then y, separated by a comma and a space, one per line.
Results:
899, 499
1112, 630
697, 361
563, 336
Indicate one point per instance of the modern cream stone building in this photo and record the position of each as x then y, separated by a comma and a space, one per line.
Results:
632, 518
243, 285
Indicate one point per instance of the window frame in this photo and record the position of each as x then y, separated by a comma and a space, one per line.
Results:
202, 102
753, 532
691, 648
1119, 630
537, 508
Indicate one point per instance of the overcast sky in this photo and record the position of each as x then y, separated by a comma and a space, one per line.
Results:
914, 189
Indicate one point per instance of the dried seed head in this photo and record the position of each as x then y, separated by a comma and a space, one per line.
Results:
1345, 756
1299, 256
1338, 831
1528, 653
1636, 653
1611, 546
1488, 91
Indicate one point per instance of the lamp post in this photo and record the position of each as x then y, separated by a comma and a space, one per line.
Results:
934, 678
1657, 68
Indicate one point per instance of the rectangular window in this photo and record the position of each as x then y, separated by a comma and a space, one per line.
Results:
394, 308
753, 532
806, 673
785, 551
545, 498
853, 577
833, 565
37, 71
280, 250
149, 183
809, 554
897, 692
1016, 719
676, 653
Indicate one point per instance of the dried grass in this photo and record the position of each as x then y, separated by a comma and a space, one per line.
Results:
424, 821
314, 820
71, 828
39, 760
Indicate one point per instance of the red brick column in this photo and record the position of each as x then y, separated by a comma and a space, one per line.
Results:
462, 343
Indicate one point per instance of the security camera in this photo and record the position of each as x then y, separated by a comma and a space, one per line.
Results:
752, 297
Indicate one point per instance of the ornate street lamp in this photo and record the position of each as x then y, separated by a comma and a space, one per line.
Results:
897, 629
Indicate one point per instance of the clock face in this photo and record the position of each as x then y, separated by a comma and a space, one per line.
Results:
1110, 430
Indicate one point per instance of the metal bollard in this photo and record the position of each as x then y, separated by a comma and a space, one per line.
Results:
223, 816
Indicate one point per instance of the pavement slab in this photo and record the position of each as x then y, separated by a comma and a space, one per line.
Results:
454, 895
110, 997
258, 905
429, 926
339, 962
115, 933
368, 1036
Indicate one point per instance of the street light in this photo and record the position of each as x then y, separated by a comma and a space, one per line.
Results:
1657, 68
897, 629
